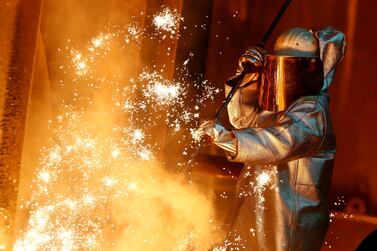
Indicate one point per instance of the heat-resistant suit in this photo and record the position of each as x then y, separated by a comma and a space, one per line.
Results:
288, 155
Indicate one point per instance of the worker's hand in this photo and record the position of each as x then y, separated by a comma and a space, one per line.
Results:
251, 61
217, 134
212, 130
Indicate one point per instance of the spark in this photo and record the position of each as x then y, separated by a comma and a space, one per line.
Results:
44, 176
186, 243
134, 33
219, 248
167, 20
89, 199
80, 64
109, 181
115, 153
70, 203
132, 186
187, 116
252, 230
195, 134
81, 67
138, 135
99, 41
54, 155
128, 105
263, 179
162, 91
145, 154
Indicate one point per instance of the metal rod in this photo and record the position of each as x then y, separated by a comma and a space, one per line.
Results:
230, 95
274, 23
265, 38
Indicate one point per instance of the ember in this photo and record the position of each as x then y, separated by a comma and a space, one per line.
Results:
167, 21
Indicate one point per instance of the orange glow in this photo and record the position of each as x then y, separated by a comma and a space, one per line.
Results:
99, 184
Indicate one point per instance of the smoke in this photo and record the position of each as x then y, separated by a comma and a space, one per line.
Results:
93, 190
100, 182
175, 217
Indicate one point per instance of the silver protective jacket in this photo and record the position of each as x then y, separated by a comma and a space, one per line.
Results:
282, 190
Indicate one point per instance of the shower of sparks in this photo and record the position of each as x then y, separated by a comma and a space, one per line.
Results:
167, 21
80, 64
100, 41
340, 201
93, 169
186, 243
167, 99
134, 33
256, 183
259, 182
145, 154
160, 90
263, 179
138, 135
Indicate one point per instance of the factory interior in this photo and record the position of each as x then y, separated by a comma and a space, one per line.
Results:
99, 99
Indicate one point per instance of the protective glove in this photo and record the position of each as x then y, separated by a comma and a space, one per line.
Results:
252, 60
218, 135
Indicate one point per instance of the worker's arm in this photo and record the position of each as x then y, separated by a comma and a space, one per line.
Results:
297, 132
243, 108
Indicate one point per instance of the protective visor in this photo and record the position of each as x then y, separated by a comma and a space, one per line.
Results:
285, 78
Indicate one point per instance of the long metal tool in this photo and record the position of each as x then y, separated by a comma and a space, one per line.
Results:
240, 77
262, 43
274, 23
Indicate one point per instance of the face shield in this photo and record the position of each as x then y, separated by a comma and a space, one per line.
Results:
294, 70
286, 78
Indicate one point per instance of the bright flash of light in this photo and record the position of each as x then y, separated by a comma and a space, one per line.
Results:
89, 199
263, 179
145, 154
115, 153
134, 33
109, 181
168, 21
80, 64
138, 135
160, 90
163, 93
100, 41
44, 176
